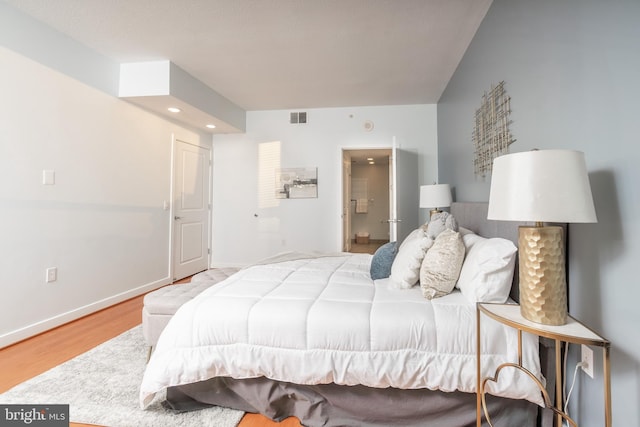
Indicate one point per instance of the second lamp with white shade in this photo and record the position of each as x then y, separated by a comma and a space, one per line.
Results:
435, 196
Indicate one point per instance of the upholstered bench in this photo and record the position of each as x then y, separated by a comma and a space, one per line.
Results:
160, 305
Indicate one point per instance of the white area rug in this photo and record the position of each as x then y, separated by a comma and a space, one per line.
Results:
101, 386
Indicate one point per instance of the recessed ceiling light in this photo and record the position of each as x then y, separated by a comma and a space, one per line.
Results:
174, 109
370, 158
372, 162
210, 126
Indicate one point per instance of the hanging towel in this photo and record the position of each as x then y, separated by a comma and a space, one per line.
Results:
361, 206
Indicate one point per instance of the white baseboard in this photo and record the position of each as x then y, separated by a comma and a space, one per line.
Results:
29, 331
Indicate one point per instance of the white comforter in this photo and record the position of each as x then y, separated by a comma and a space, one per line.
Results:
323, 320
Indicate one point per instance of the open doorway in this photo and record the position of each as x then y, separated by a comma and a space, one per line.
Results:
366, 199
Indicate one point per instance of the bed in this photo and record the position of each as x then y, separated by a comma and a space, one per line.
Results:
314, 336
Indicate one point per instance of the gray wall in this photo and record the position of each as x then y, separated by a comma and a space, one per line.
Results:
572, 69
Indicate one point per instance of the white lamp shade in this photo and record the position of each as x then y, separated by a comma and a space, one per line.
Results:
435, 196
544, 186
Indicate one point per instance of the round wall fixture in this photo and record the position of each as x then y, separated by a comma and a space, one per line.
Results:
368, 126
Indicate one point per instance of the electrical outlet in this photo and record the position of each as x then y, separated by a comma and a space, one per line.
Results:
587, 360
52, 274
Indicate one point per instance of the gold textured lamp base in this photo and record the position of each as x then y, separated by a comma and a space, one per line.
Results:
543, 286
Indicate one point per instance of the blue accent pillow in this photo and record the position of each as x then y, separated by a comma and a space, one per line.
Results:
382, 261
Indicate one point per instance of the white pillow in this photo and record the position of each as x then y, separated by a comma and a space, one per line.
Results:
405, 270
441, 265
487, 270
470, 238
464, 231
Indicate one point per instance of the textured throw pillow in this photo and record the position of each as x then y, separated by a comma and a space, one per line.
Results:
487, 270
382, 261
440, 222
441, 265
405, 270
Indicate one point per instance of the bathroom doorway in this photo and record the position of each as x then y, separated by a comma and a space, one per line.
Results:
366, 199
379, 198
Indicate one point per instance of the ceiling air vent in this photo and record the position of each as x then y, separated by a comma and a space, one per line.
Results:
298, 117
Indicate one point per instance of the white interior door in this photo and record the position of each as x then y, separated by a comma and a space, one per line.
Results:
190, 209
404, 193
346, 201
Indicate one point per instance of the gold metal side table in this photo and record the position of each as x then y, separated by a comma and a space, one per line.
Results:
572, 332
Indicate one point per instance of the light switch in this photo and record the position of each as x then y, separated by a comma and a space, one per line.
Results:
48, 177
51, 274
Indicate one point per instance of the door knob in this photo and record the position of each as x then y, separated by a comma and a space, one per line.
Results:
177, 217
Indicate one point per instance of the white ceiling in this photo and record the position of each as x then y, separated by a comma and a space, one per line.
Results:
283, 54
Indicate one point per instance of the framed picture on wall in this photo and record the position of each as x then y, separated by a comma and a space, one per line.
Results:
296, 183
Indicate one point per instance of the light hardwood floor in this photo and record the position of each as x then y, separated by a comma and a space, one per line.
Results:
368, 248
31, 357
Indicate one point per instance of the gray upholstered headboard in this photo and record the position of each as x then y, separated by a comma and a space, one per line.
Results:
473, 215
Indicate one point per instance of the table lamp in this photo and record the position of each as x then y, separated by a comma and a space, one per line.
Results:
435, 196
542, 186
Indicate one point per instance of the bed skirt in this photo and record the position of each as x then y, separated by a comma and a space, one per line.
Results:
333, 405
